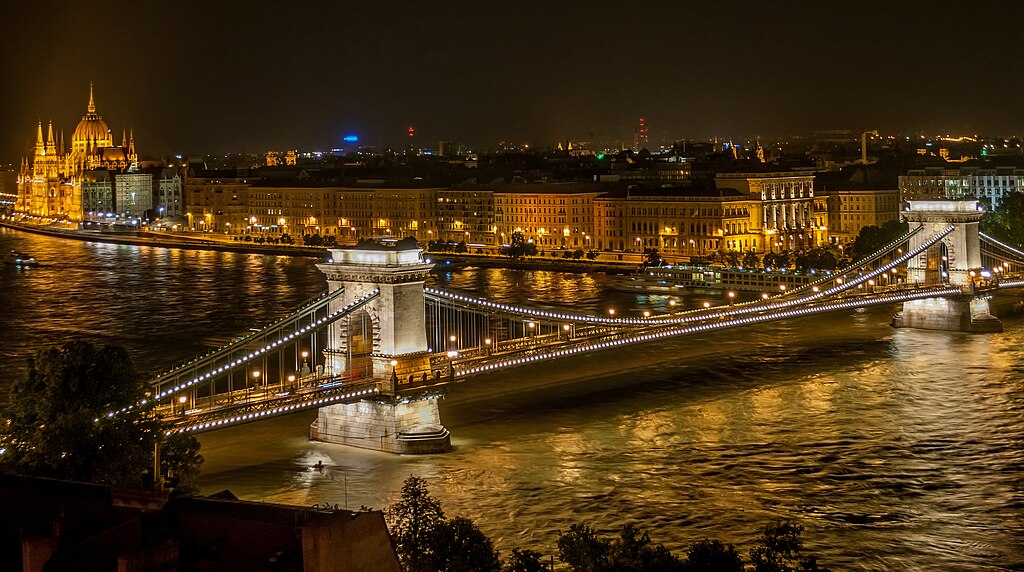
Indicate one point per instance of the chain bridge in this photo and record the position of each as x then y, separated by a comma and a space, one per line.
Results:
374, 352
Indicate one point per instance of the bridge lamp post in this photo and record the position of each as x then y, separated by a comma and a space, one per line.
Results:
782, 287
647, 314
451, 363
871, 285
487, 345
255, 382
183, 400
671, 302
611, 311
291, 382
568, 331
453, 339
732, 296
707, 305
764, 295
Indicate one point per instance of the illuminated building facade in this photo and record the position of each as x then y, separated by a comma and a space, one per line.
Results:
987, 185
551, 215
789, 217
682, 221
851, 209
50, 183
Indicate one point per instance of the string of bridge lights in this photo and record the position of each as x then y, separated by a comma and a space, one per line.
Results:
1001, 244
334, 315
245, 359
268, 412
734, 311
830, 307
321, 299
878, 254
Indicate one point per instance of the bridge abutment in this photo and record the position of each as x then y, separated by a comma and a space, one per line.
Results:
393, 425
966, 314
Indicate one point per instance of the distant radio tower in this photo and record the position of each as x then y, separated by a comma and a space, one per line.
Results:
642, 136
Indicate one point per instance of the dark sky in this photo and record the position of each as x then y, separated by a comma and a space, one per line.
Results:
248, 76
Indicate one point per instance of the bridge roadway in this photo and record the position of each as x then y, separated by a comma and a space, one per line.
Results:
251, 404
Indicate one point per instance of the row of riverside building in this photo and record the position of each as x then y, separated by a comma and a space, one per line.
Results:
751, 211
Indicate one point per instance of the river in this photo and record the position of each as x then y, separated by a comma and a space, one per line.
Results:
896, 449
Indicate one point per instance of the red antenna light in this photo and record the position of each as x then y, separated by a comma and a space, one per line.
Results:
412, 131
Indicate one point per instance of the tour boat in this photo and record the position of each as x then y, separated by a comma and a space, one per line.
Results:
20, 259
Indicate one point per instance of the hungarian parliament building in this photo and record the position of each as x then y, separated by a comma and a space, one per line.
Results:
92, 179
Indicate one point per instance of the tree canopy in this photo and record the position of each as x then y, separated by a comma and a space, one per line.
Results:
872, 238
519, 247
76, 415
1006, 222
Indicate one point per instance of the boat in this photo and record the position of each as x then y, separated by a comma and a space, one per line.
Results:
20, 259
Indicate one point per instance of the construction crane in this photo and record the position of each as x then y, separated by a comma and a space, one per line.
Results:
864, 145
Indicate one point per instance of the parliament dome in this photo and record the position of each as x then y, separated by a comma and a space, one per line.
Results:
91, 129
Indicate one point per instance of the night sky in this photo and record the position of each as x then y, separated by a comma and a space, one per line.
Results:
226, 76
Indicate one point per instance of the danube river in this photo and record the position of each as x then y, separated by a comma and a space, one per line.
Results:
896, 449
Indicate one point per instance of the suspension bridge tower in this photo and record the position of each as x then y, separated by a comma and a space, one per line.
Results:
384, 339
954, 260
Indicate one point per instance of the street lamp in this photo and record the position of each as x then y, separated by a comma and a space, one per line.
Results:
255, 378
732, 295
183, 400
394, 374
487, 345
451, 363
611, 311
566, 328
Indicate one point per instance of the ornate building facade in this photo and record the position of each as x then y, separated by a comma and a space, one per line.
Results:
50, 183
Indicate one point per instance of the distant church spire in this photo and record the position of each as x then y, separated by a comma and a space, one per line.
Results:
39, 134
92, 105
124, 138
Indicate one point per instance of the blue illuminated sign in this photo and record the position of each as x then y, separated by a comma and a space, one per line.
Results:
350, 138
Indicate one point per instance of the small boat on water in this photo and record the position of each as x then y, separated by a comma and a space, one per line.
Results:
20, 259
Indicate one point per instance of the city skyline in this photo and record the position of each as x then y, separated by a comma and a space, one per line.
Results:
246, 78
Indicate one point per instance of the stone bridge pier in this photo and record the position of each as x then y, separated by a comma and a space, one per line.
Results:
385, 339
955, 260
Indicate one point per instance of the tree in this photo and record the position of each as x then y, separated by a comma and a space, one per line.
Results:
873, 238
592, 254
412, 520
750, 259
634, 552
651, 257
1006, 222
519, 247
457, 545
180, 460
732, 258
525, 561
712, 556
781, 550
78, 415
583, 550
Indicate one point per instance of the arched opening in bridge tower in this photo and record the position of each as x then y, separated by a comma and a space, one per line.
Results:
936, 270
360, 344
